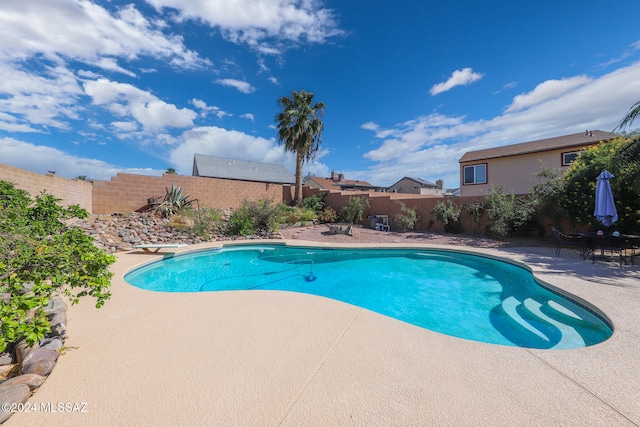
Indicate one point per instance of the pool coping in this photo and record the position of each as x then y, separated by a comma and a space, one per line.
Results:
291, 359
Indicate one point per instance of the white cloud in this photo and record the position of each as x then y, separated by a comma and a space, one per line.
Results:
206, 109
261, 24
86, 32
42, 159
430, 146
240, 85
458, 78
125, 100
248, 116
545, 91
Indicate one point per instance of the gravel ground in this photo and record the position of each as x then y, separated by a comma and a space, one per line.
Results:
320, 233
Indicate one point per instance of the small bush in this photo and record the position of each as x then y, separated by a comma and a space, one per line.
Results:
253, 217
314, 202
328, 215
352, 213
506, 213
448, 214
206, 221
407, 218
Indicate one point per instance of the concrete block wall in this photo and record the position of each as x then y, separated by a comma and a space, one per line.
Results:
128, 192
389, 204
69, 191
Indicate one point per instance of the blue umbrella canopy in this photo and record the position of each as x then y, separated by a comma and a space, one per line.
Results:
605, 211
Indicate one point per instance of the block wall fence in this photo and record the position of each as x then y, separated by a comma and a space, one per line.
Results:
70, 191
126, 193
389, 204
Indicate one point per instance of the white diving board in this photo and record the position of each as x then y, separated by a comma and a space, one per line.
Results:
156, 248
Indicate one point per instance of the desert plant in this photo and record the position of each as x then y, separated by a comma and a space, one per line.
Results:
448, 214
328, 215
352, 213
407, 218
40, 256
173, 202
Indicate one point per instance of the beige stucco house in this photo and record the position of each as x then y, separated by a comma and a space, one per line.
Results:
410, 185
515, 166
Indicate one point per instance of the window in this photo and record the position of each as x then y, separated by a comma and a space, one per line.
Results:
476, 174
568, 158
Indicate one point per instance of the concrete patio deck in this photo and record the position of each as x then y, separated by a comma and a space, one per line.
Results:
260, 358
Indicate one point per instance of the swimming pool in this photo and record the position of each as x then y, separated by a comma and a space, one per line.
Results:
454, 293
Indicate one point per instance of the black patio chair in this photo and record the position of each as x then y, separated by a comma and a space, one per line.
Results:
564, 241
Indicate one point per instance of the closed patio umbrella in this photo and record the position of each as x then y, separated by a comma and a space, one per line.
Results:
605, 211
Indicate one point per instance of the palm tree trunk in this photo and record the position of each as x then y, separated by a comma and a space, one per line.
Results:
299, 161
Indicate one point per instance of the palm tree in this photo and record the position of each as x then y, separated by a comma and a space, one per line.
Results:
634, 113
300, 129
630, 156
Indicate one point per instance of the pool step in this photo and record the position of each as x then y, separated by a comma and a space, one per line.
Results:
570, 337
510, 308
529, 318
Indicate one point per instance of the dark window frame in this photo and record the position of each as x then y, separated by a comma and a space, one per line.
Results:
562, 155
475, 180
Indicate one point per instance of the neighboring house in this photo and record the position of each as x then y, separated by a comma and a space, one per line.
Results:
337, 182
410, 185
515, 166
242, 170
452, 191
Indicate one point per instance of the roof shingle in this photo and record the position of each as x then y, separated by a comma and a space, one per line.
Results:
582, 139
221, 167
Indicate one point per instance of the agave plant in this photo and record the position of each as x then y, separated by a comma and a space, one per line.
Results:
173, 201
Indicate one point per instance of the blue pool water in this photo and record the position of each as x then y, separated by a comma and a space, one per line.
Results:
458, 294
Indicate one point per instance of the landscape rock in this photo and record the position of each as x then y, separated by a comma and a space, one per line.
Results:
55, 304
32, 380
22, 350
40, 361
17, 393
53, 343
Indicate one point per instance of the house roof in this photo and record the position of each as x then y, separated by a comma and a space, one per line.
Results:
221, 167
568, 141
330, 184
418, 181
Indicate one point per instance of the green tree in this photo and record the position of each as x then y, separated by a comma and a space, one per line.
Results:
300, 128
581, 178
171, 171
40, 255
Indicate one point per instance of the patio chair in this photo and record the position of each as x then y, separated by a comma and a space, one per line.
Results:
562, 240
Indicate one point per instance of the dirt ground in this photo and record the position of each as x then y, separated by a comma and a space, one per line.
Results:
320, 233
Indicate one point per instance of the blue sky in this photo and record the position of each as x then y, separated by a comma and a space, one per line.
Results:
100, 87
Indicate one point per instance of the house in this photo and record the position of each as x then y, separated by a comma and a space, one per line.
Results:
410, 185
515, 166
242, 170
337, 182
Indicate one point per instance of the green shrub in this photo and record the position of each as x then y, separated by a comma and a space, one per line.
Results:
407, 218
314, 202
448, 214
40, 255
476, 210
206, 221
253, 217
506, 213
352, 213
